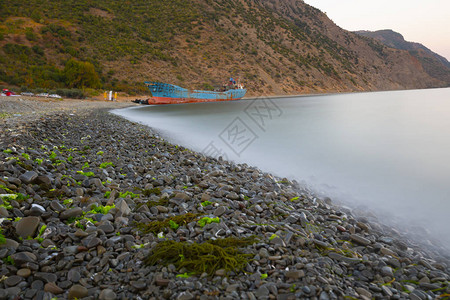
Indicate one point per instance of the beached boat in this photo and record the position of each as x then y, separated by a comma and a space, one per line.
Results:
165, 93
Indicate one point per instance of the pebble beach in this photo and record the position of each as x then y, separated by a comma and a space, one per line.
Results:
97, 207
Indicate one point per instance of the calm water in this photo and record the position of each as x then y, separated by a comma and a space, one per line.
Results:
389, 151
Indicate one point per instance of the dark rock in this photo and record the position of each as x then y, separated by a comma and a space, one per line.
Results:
46, 277
343, 258
43, 179
162, 281
28, 177
73, 276
295, 274
220, 211
138, 285
185, 296
360, 240
51, 287
37, 285
107, 294
25, 273
26, 227
23, 257
77, 291
13, 280
71, 213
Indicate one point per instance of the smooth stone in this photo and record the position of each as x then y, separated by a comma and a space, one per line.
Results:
221, 272
387, 291
324, 296
258, 208
28, 177
162, 281
25, 273
29, 294
386, 251
262, 292
275, 257
3, 294
56, 206
360, 240
363, 292
339, 257
37, 208
295, 274
94, 243
13, 280
46, 277
185, 296
107, 228
138, 285
14, 180
429, 286
37, 285
183, 196
278, 241
9, 244
73, 275
81, 233
220, 211
107, 294
13, 291
77, 291
43, 179
4, 212
233, 196
162, 209
3, 253
387, 271
24, 257
71, 213
51, 287
122, 207
205, 197
26, 227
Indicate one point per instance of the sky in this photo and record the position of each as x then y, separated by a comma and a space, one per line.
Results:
422, 21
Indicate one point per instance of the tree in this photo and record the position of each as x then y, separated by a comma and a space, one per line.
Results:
79, 74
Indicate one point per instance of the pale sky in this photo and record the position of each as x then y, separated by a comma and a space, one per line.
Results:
422, 21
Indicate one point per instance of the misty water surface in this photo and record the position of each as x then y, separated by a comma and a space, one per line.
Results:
389, 151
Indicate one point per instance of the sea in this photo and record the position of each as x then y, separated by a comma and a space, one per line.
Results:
383, 152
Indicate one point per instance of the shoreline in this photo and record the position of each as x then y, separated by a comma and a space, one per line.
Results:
307, 247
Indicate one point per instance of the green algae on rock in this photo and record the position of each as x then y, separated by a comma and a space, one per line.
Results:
156, 227
207, 257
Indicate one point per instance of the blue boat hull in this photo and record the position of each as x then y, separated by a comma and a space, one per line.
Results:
164, 93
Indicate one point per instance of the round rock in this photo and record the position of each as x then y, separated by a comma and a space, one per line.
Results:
77, 291
107, 294
27, 226
25, 273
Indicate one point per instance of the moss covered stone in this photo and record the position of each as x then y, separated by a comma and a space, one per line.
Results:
207, 257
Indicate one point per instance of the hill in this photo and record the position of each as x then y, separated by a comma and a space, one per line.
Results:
434, 64
274, 46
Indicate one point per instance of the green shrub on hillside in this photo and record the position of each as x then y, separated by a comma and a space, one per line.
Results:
80, 74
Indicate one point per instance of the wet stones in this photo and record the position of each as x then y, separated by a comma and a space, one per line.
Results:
28, 177
306, 246
21, 258
26, 227
77, 291
71, 213
359, 239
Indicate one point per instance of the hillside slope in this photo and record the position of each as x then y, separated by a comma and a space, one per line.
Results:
273, 46
434, 64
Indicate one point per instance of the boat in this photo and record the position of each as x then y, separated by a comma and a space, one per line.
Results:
166, 93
